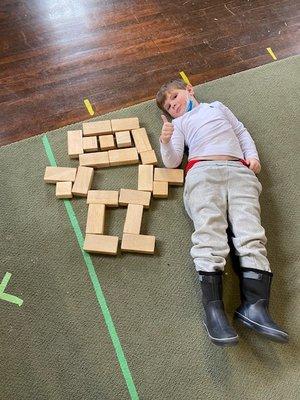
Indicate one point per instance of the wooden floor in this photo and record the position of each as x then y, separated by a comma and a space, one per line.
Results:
54, 53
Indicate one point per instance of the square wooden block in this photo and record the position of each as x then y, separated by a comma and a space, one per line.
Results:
123, 139
160, 190
64, 190
90, 143
148, 157
107, 142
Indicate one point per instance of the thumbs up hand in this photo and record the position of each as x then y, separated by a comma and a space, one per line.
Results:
167, 130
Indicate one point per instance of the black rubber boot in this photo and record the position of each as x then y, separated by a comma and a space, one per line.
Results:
216, 323
253, 312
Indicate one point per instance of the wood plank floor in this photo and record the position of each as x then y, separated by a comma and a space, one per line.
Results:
116, 53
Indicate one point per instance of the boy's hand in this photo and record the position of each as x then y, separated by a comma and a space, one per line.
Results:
167, 130
254, 165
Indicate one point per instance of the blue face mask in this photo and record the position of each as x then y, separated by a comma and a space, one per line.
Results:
189, 105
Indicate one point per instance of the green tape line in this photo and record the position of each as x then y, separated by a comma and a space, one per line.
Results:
8, 297
96, 284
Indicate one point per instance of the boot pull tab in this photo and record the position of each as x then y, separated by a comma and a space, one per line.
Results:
252, 275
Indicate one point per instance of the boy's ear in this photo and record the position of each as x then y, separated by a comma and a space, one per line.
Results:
190, 89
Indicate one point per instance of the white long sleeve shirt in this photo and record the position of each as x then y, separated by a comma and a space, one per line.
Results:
208, 130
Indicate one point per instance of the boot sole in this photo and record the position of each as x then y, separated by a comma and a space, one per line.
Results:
267, 332
222, 342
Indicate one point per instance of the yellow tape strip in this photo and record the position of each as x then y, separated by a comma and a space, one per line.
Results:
89, 106
271, 53
185, 78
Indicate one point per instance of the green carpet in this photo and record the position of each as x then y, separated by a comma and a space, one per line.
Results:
57, 345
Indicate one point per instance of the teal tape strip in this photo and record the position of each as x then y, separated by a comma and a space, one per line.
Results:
96, 284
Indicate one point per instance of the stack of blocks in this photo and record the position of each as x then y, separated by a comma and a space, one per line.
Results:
105, 144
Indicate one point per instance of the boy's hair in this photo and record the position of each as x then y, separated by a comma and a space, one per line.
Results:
162, 93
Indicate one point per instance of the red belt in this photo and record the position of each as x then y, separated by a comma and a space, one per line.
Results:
191, 163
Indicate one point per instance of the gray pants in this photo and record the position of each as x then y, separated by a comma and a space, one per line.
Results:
217, 193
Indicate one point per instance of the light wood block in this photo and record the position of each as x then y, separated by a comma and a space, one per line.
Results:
75, 143
95, 219
160, 189
59, 174
138, 243
128, 196
83, 181
90, 143
171, 175
107, 142
101, 244
148, 157
64, 190
145, 177
125, 124
133, 219
123, 157
95, 160
141, 140
96, 128
123, 139
108, 197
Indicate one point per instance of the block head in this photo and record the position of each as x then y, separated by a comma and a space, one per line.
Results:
64, 190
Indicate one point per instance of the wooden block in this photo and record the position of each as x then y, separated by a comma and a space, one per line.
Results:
64, 190
171, 175
96, 160
138, 243
123, 139
108, 197
133, 219
75, 143
128, 196
107, 142
160, 189
148, 157
123, 157
145, 178
95, 219
96, 128
83, 181
90, 143
101, 244
59, 174
125, 124
141, 140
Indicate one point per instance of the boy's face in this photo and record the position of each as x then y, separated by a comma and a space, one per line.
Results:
176, 101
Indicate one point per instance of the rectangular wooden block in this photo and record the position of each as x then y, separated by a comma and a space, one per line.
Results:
171, 175
124, 124
95, 160
123, 157
96, 128
160, 189
107, 142
75, 143
141, 140
64, 190
128, 196
145, 177
138, 243
148, 157
101, 244
95, 219
123, 139
108, 197
90, 143
83, 181
133, 219
59, 174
